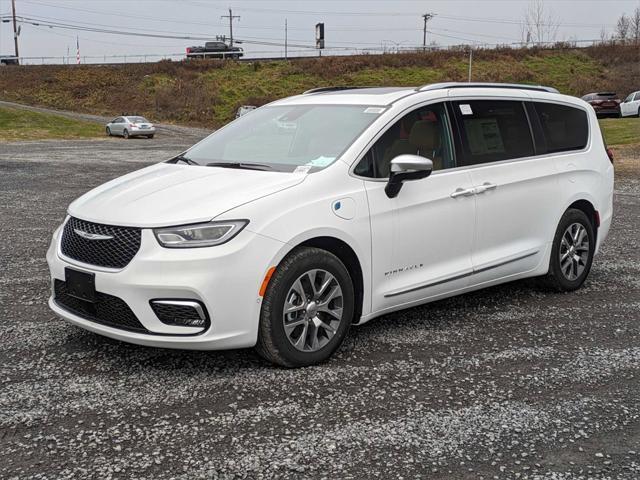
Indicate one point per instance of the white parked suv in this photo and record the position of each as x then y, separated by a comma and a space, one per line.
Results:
334, 207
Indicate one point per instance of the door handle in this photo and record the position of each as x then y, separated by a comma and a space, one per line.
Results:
463, 192
485, 186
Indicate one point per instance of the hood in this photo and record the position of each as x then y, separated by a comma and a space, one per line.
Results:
169, 194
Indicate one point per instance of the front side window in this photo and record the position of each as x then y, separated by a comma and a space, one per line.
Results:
424, 132
287, 137
565, 128
494, 130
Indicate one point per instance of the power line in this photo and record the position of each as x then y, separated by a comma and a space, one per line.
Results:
426, 17
231, 17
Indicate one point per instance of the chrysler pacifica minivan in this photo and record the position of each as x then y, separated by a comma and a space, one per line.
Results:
316, 212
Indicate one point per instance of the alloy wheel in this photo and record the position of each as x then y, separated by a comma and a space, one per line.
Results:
574, 251
313, 310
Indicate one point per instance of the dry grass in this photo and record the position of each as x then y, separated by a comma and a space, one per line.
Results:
207, 93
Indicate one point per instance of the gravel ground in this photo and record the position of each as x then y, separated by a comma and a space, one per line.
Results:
510, 382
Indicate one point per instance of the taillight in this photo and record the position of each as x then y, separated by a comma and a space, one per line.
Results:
188, 49
132, 125
610, 155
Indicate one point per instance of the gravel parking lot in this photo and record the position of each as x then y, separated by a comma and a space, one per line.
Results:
510, 382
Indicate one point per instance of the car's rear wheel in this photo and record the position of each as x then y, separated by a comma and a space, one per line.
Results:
125, 133
572, 252
638, 114
149, 136
307, 309
108, 130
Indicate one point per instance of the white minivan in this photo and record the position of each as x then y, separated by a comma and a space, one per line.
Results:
333, 207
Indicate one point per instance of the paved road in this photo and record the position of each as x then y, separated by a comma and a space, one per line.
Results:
511, 382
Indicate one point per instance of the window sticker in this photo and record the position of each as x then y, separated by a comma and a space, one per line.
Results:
304, 169
484, 136
465, 109
374, 110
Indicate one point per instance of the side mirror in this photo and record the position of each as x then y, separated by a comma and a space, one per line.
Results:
405, 168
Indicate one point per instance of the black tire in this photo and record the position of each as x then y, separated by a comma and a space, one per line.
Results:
108, 130
556, 279
149, 136
125, 133
638, 114
273, 344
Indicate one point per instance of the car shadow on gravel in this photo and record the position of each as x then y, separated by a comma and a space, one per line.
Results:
363, 341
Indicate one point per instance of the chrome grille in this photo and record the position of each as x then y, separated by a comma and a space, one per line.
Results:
114, 252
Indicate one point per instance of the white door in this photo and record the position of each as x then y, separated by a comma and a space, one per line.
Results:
116, 126
631, 105
421, 239
515, 190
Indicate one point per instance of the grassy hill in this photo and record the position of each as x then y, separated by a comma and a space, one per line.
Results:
207, 93
18, 124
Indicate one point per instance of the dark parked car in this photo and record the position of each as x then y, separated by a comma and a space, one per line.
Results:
606, 104
214, 50
8, 60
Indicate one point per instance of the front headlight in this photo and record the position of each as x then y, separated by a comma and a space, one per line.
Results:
200, 234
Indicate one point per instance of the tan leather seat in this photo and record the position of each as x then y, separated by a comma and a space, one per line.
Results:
425, 139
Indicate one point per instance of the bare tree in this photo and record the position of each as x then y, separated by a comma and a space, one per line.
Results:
634, 26
603, 35
539, 25
623, 27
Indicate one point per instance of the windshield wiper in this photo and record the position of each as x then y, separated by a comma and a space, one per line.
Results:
182, 158
241, 165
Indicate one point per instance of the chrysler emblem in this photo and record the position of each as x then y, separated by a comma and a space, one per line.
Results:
92, 236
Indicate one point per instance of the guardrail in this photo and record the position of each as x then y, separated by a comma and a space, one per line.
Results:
271, 55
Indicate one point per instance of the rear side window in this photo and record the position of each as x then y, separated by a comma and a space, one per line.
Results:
494, 130
565, 128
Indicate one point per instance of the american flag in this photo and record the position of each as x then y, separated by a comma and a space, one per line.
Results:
77, 50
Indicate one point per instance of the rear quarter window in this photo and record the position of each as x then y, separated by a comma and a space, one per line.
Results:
565, 128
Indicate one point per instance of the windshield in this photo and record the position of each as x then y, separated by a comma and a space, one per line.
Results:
287, 137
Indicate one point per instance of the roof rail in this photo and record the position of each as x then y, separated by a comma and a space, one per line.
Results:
332, 89
515, 86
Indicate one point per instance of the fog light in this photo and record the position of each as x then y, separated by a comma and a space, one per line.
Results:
180, 313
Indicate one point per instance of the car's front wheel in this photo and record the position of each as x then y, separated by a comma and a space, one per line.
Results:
307, 309
572, 252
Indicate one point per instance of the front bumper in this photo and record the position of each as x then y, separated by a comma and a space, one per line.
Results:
225, 278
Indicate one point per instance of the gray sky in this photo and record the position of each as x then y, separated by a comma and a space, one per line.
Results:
349, 24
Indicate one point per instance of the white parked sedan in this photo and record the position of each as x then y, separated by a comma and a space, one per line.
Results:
130, 126
630, 106
331, 208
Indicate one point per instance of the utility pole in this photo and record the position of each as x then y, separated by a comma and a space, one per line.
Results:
426, 17
470, 63
15, 29
285, 38
231, 17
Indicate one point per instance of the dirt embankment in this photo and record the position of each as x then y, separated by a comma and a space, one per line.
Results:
207, 93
